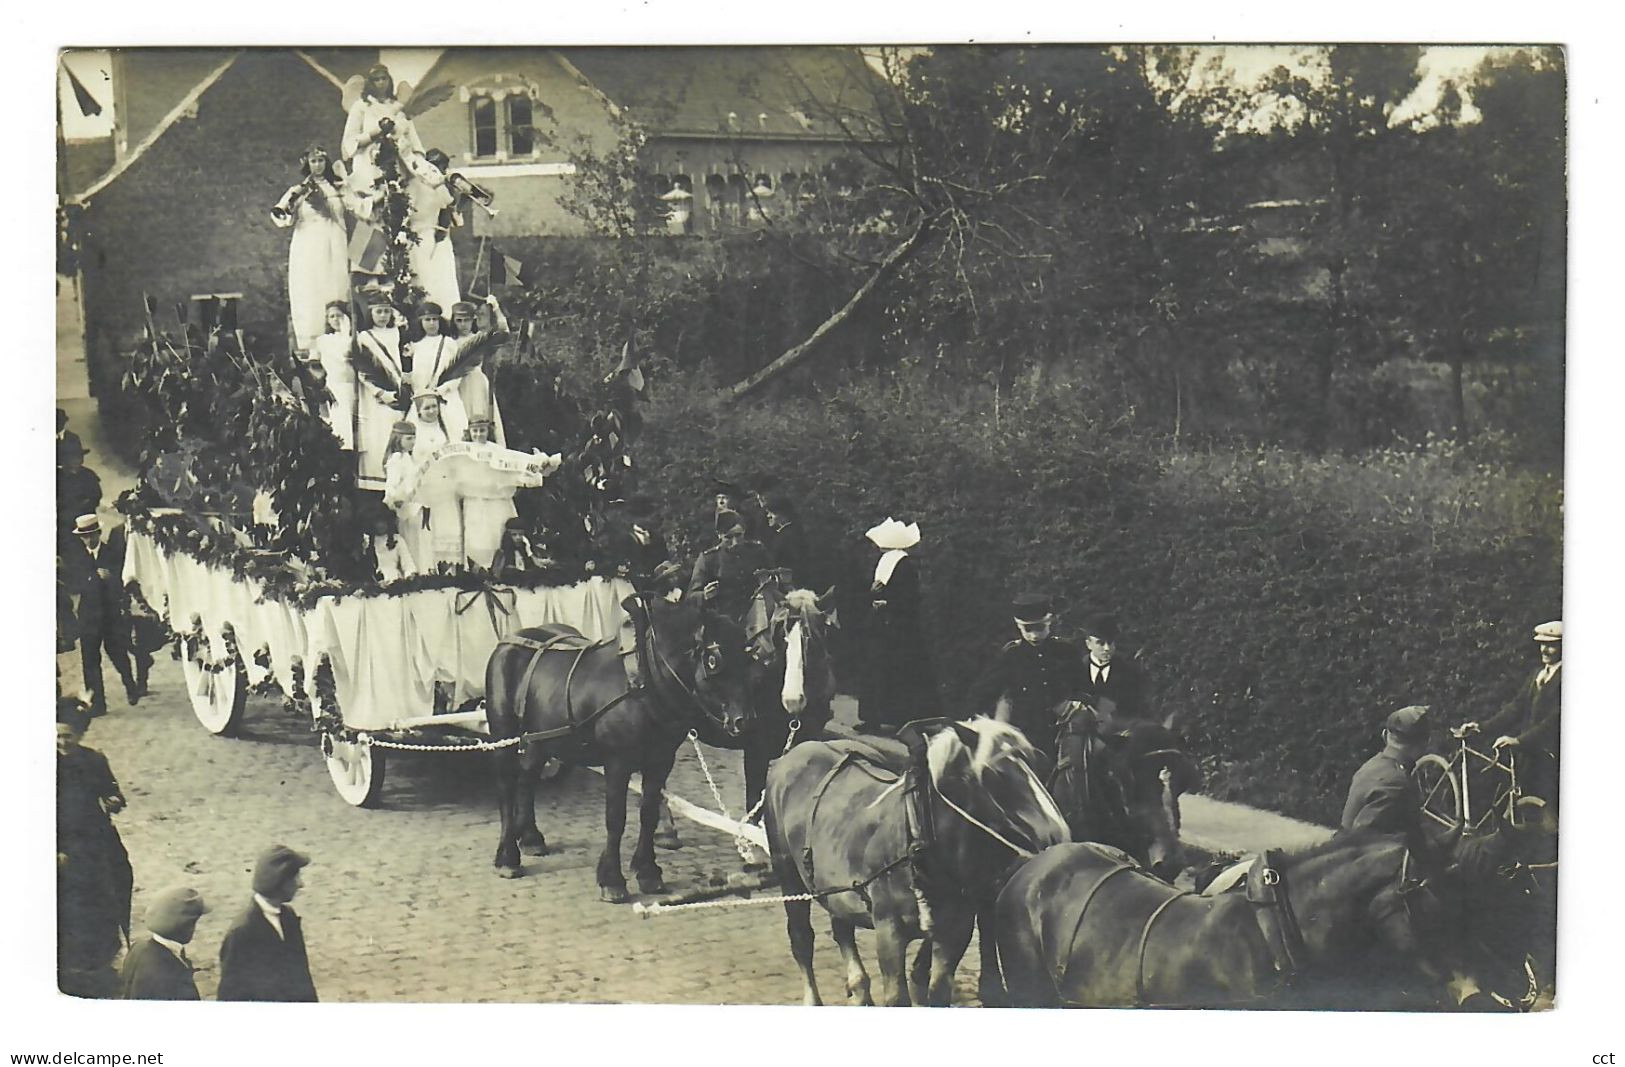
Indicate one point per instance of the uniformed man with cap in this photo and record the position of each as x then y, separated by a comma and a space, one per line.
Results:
263, 955
1382, 795
724, 577
156, 967
1034, 676
1530, 724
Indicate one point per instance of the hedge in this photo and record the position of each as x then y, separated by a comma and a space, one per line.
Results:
1283, 604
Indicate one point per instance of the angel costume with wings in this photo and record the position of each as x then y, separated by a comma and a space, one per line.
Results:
371, 103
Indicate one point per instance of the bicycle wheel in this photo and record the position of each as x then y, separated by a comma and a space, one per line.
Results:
1441, 793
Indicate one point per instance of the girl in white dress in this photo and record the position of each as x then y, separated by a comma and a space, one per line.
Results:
332, 351
433, 355
318, 254
400, 489
381, 385
433, 214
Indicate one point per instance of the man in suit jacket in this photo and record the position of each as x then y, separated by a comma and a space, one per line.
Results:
1529, 726
263, 955
156, 967
1110, 676
94, 567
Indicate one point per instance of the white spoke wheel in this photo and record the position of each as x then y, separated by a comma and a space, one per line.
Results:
218, 697
1441, 792
357, 769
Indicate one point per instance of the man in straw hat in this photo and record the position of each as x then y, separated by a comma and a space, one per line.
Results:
156, 967
93, 570
263, 955
1528, 726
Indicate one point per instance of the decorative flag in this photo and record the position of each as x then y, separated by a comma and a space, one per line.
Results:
87, 103
511, 270
367, 247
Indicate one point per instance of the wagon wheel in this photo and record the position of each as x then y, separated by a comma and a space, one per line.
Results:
1441, 793
356, 767
218, 697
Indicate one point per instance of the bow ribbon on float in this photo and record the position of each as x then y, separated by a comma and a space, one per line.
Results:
492, 595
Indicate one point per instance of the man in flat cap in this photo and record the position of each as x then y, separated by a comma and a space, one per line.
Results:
263, 955
1382, 795
1033, 677
156, 967
1529, 725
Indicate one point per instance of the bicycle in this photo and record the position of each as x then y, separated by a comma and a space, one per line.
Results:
1447, 785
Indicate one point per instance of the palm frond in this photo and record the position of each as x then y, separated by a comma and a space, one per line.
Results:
370, 368
473, 353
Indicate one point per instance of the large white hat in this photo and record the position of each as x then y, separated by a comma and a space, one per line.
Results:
1549, 631
892, 534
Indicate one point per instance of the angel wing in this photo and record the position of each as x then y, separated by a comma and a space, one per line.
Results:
416, 101
350, 93
473, 353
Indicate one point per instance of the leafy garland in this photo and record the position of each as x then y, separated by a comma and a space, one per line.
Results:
394, 208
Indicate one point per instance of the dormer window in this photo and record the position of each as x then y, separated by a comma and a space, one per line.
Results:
502, 118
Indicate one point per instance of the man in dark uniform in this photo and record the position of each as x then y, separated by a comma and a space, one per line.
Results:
641, 545
786, 546
724, 576
156, 967
1382, 795
1033, 677
1114, 684
263, 955
1529, 725
94, 878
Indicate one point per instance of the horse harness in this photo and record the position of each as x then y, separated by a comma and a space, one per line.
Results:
911, 849
1271, 879
575, 642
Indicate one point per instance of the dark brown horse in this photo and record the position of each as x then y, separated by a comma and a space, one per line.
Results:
1085, 926
791, 679
1120, 786
570, 698
838, 827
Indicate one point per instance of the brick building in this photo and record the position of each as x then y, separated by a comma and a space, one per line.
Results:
205, 140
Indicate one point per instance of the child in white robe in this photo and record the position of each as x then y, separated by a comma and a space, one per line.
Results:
400, 488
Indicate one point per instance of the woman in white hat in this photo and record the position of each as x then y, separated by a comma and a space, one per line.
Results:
896, 684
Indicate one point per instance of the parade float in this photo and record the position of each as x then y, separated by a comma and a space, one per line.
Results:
353, 518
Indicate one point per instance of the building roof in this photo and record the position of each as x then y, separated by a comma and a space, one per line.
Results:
742, 90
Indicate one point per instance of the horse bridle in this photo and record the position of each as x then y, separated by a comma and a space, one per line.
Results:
659, 658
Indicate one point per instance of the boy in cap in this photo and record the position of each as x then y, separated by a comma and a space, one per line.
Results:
156, 967
1382, 795
1033, 677
1529, 725
263, 955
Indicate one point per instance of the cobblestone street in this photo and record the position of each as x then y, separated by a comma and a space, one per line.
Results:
402, 904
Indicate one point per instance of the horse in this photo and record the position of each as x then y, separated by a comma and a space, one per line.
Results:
1083, 925
564, 696
1501, 882
791, 679
870, 863
1121, 786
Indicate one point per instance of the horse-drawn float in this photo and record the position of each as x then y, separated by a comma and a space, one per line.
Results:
372, 668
